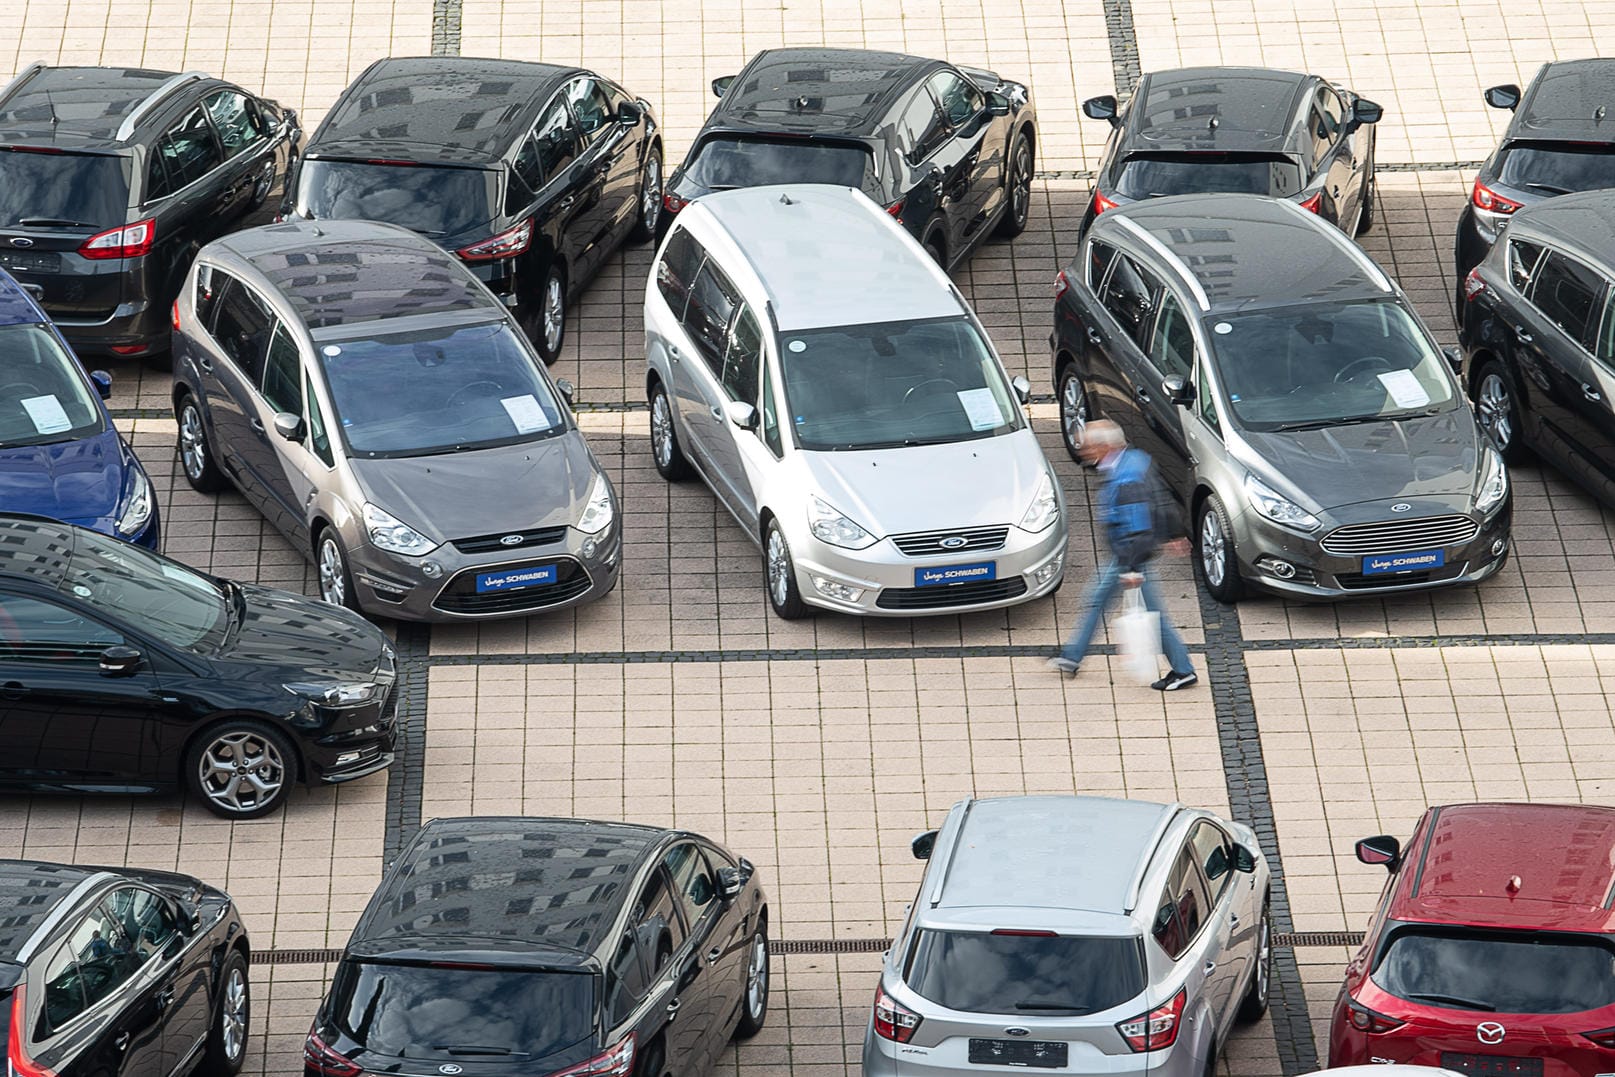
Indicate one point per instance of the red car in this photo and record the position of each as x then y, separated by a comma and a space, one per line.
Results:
1492, 951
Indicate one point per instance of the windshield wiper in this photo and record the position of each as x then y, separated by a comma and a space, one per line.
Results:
1355, 420
52, 222
1064, 1007
1465, 1003
1550, 188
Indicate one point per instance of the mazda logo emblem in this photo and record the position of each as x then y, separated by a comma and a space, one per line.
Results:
1489, 1032
1401, 506
22, 241
953, 542
1017, 1032
508, 540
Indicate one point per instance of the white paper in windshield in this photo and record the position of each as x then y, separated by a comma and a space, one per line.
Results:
981, 408
47, 414
1404, 388
525, 412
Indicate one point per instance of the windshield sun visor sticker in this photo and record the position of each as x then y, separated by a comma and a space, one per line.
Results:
46, 413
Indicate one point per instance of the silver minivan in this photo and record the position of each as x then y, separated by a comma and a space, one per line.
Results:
825, 378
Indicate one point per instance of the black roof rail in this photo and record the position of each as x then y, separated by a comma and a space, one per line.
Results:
126, 129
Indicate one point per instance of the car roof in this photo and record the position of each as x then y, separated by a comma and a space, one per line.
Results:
30, 891
345, 272
82, 107
35, 549
829, 91
1565, 100
1239, 249
438, 109
1583, 223
515, 884
828, 256
1467, 855
16, 306
1240, 109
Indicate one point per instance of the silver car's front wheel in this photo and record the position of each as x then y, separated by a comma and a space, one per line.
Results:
333, 571
664, 439
780, 570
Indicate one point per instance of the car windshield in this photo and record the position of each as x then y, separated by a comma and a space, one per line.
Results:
1154, 175
1558, 167
167, 600
43, 397
444, 389
62, 189
418, 1011
432, 201
1028, 975
726, 161
1534, 972
1327, 364
892, 384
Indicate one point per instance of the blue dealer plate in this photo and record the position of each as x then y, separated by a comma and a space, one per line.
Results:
942, 575
516, 578
1415, 561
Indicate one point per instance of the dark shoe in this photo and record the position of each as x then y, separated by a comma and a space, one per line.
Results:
1175, 680
1063, 665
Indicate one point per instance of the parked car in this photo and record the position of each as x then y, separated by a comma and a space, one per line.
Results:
1240, 130
514, 946
112, 177
124, 671
948, 150
1491, 946
120, 971
532, 174
1134, 950
1539, 338
856, 422
1291, 397
60, 455
380, 407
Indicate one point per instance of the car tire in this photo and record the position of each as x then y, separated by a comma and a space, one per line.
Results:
195, 452
1254, 1004
935, 247
226, 1050
331, 566
1497, 410
779, 575
754, 993
1017, 189
647, 227
653, 1062
254, 754
1365, 214
1075, 410
664, 437
1215, 557
543, 316
261, 186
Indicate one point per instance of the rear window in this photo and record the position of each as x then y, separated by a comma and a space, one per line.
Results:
431, 201
1009, 974
1159, 175
417, 1011
723, 163
62, 189
1539, 972
1556, 168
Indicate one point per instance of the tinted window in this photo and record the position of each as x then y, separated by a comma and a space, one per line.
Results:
959, 100
656, 926
1557, 168
283, 373
625, 978
1333, 109
187, 151
1324, 128
1155, 175
922, 125
166, 599
92, 190
64, 992
1100, 255
1183, 907
238, 127
1567, 292
432, 201
706, 319
241, 326
692, 880
590, 107
1523, 256
1604, 346
1213, 851
1128, 296
1204, 399
744, 355
418, 1011
770, 424
982, 973
555, 140
105, 953
727, 161
43, 398
146, 920
319, 438
1172, 346
1542, 972
676, 271
43, 632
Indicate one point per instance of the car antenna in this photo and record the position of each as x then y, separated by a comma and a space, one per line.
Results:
319, 233
1598, 113
785, 200
1213, 124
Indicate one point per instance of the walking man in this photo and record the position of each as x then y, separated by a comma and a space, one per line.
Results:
1135, 519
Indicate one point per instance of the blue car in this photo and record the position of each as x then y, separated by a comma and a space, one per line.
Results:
60, 455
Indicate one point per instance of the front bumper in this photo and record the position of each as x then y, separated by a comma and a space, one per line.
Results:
365, 744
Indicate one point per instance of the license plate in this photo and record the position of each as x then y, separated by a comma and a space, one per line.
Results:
516, 578
38, 262
1491, 1065
1034, 1054
1382, 564
942, 575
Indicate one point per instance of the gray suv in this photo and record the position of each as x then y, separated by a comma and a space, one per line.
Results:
1078, 934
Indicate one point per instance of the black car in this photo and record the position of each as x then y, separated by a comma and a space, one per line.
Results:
947, 150
119, 971
121, 670
533, 174
1538, 334
1560, 140
517, 946
111, 178
1240, 130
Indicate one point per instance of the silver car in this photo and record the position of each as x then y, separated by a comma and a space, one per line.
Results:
813, 364
381, 408
1075, 934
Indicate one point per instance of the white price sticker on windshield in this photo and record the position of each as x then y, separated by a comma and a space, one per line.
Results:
1404, 388
47, 414
526, 413
981, 408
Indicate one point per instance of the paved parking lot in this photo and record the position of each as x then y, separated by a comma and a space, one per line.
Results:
817, 748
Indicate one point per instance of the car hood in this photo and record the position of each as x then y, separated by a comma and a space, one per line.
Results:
1427, 456
542, 483
931, 487
313, 637
79, 482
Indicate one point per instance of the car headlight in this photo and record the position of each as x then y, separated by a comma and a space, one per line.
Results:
388, 533
137, 506
337, 694
1280, 510
598, 514
1045, 507
830, 526
1493, 482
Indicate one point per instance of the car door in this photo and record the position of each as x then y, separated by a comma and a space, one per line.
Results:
613, 158
1549, 347
982, 138
1114, 355
187, 208
762, 448
1171, 354
948, 166
1599, 413
920, 132
1182, 928
179, 970
239, 325
286, 470
733, 467
549, 160
657, 924
702, 976
707, 317
1229, 919
249, 155
733, 934
98, 1007
1334, 155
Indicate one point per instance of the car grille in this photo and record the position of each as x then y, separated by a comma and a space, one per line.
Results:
929, 544
1394, 536
956, 594
461, 596
543, 536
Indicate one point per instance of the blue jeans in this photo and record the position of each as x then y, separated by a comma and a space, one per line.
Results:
1101, 591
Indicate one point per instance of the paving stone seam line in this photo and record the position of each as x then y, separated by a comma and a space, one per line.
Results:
406, 777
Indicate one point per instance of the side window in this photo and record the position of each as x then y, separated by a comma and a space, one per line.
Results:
1604, 347
105, 954
188, 151
518, 192
39, 632
1333, 110
238, 126
675, 273
1567, 293
625, 978
1214, 852
960, 101
1203, 400
207, 290
146, 919
590, 107
241, 326
555, 140
921, 126
1523, 256
1182, 908
1100, 255
655, 922
64, 993
744, 355
1172, 348
770, 423
1128, 296
692, 879
706, 319
283, 373
319, 438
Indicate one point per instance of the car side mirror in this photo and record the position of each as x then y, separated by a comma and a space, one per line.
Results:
721, 84
1102, 108
289, 426
729, 884
1244, 860
1382, 849
1022, 387
119, 661
1454, 359
190, 917
1365, 111
741, 414
102, 382
629, 114
922, 845
1505, 96
1177, 390
566, 389
997, 104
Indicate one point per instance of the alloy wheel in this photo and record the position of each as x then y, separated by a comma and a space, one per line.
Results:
333, 576
241, 771
233, 1014
554, 313
1264, 959
1495, 407
1213, 548
1073, 412
757, 978
661, 430
1020, 197
779, 568
192, 442
650, 195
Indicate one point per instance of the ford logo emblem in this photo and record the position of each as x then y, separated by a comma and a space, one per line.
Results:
1401, 506
451, 1069
508, 540
22, 241
1017, 1032
953, 542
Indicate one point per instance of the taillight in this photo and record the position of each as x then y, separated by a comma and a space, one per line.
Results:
320, 1058
1313, 204
893, 1021
896, 209
173, 315
672, 202
126, 241
1364, 1019
1062, 284
1157, 1029
1604, 1037
616, 1061
18, 1064
1485, 198
507, 244
1473, 285
1101, 203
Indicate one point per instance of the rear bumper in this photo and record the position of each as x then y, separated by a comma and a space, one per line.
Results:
134, 328
950, 1058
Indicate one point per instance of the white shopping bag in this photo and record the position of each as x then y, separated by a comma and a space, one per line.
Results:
1139, 632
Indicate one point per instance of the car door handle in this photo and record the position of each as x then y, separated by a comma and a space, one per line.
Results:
1590, 393
257, 424
1211, 966
122, 1042
1143, 395
1093, 335
714, 954
206, 364
1524, 337
13, 690
1335, 191
165, 998
564, 204
717, 415
674, 354
1233, 921
673, 1009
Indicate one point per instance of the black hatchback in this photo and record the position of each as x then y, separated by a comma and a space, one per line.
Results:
532, 174
509, 947
111, 178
